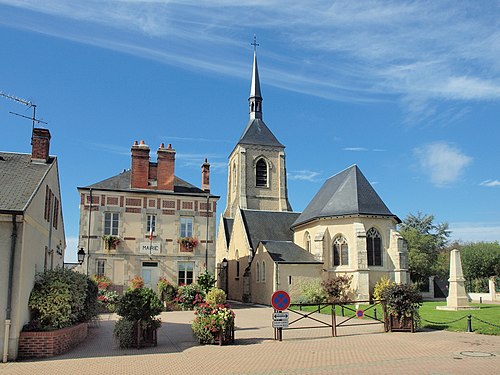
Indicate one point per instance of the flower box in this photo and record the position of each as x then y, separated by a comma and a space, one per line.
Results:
144, 336
224, 337
396, 324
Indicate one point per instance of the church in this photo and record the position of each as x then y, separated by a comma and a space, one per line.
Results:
263, 246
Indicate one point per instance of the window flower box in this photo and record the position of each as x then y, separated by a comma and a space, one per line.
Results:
187, 243
111, 242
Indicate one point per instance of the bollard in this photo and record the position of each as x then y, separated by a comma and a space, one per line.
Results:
375, 313
342, 310
480, 299
469, 323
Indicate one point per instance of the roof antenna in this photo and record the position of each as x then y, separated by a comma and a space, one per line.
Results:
30, 105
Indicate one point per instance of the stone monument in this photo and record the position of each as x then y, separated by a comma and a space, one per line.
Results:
457, 297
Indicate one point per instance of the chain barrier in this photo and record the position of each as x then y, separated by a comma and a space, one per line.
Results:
482, 321
444, 323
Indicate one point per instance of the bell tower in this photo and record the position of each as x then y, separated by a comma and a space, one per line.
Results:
256, 168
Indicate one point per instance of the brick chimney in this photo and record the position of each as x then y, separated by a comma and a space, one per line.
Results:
166, 168
40, 145
140, 166
205, 176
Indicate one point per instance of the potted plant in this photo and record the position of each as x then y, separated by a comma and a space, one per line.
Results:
187, 243
111, 242
137, 282
189, 296
214, 321
138, 324
402, 302
167, 293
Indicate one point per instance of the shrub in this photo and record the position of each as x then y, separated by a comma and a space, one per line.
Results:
337, 288
206, 281
61, 298
139, 304
124, 333
380, 286
307, 290
215, 296
166, 290
403, 300
188, 296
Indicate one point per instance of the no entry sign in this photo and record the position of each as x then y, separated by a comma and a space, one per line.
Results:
280, 300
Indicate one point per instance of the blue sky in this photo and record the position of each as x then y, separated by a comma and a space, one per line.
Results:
408, 91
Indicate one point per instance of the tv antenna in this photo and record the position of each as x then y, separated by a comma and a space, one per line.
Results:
26, 103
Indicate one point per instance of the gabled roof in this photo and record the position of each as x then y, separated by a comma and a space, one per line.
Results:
228, 228
268, 225
121, 182
346, 193
288, 252
20, 179
257, 133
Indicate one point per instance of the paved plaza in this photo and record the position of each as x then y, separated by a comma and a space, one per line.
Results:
357, 350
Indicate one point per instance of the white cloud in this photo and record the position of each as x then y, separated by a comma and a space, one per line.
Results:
377, 50
490, 183
442, 162
474, 232
303, 175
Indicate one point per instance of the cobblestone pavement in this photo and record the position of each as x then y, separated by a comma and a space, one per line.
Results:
357, 350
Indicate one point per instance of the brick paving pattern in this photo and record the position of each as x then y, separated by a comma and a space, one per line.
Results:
357, 350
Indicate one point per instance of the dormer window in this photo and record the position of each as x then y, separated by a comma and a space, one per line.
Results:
261, 173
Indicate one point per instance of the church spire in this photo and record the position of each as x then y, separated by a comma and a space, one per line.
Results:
255, 99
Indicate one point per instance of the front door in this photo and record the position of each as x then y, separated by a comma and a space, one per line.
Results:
150, 274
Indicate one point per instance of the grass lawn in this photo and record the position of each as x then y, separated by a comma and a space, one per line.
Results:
488, 313
428, 313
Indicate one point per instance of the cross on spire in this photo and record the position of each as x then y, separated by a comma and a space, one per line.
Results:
254, 44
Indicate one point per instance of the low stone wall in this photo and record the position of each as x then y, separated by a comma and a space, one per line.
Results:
48, 344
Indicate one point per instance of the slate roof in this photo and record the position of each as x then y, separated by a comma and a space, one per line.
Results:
268, 225
19, 179
228, 228
121, 182
257, 133
288, 252
346, 193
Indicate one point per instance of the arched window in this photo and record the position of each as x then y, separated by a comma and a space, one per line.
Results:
340, 251
307, 242
261, 173
263, 276
257, 266
374, 247
234, 176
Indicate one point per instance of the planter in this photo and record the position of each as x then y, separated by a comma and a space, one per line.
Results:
51, 343
144, 337
395, 324
226, 337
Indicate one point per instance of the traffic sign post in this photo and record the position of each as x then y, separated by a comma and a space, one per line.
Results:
280, 300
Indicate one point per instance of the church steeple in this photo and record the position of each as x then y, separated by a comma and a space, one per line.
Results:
255, 99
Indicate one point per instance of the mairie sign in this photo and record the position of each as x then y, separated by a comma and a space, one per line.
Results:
150, 248
280, 300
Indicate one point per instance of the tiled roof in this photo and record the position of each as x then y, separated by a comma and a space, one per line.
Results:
121, 182
346, 193
19, 179
288, 252
257, 133
268, 225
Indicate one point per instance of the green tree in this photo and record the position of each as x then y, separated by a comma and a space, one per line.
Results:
480, 260
425, 239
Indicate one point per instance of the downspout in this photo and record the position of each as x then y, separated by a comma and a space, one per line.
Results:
9, 289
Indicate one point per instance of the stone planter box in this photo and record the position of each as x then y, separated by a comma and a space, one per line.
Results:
51, 343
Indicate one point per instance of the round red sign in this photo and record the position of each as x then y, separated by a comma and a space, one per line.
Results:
280, 300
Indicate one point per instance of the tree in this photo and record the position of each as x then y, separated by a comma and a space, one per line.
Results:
425, 240
480, 260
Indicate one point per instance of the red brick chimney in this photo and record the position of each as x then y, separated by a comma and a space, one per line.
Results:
40, 145
205, 176
166, 168
140, 166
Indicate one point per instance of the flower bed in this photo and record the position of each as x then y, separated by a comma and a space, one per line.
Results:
50, 343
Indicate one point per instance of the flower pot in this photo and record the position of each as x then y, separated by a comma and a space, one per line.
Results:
398, 324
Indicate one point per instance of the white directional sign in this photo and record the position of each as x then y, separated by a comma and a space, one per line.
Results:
280, 319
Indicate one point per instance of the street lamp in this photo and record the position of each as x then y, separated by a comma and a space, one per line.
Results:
81, 255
